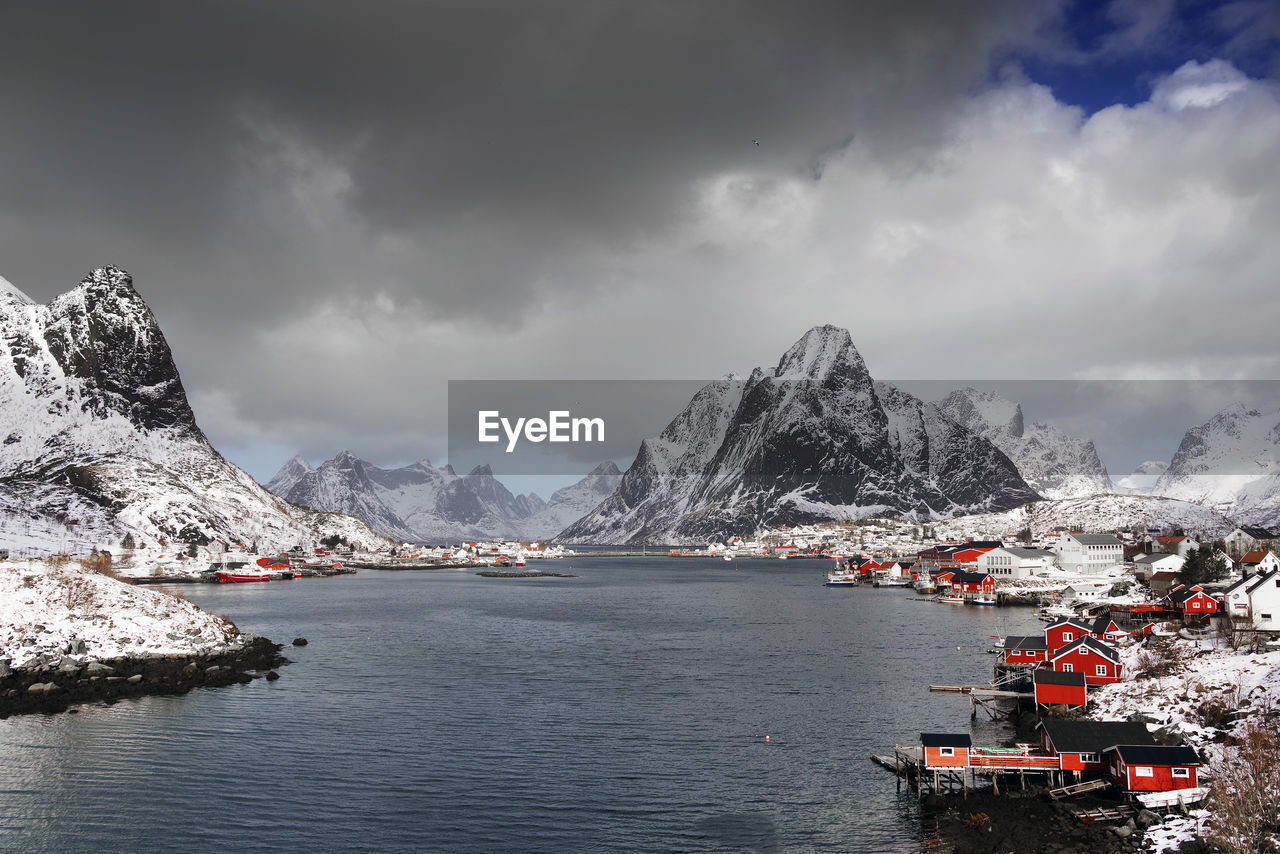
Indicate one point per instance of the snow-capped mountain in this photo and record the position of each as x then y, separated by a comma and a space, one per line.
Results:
1230, 463
420, 502
99, 440
289, 474
1143, 478
812, 438
1053, 463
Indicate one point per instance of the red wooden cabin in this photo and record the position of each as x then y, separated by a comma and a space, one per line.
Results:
1081, 744
1153, 767
1060, 689
945, 750
1063, 632
1097, 660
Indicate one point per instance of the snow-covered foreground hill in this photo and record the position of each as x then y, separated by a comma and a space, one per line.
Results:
51, 610
97, 439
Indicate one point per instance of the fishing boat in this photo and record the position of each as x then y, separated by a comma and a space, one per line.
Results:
951, 598
924, 584
983, 599
842, 575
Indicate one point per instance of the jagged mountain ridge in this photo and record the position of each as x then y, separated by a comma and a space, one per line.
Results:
1054, 464
812, 438
99, 436
420, 502
1230, 463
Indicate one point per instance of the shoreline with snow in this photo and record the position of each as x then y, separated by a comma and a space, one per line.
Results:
71, 633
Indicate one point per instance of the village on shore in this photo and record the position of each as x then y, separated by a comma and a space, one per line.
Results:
1147, 706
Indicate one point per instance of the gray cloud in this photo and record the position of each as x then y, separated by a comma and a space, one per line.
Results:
334, 208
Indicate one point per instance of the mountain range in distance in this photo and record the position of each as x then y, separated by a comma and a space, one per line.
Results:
98, 440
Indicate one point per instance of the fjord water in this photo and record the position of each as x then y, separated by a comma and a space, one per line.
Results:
624, 709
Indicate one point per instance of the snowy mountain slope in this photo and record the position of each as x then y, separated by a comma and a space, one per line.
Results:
1230, 463
1094, 513
292, 472
812, 438
1143, 478
98, 435
420, 502
1053, 463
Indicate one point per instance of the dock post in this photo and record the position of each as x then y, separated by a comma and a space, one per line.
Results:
973, 708
896, 773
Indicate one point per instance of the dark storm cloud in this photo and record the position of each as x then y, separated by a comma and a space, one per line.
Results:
492, 133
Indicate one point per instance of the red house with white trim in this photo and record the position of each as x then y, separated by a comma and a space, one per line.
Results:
1153, 767
1081, 744
1192, 601
945, 750
1105, 629
1063, 632
973, 582
1024, 649
1097, 660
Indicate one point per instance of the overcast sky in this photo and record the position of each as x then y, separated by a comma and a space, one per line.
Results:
334, 209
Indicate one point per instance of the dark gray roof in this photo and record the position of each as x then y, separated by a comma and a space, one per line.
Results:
1096, 539
1152, 558
1045, 676
1102, 648
1085, 736
1156, 754
1258, 533
942, 739
1100, 624
1259, 580
1025, 643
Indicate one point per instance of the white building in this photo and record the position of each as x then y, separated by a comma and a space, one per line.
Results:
1256, 598
1148, 565
1089, 554
1015, 562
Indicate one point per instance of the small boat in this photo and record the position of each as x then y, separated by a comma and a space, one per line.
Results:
1053, 613
951, 599
241, 575
983, 599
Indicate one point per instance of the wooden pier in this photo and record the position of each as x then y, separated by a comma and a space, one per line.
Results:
984, 697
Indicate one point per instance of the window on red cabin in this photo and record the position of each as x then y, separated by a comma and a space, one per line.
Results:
1143, 771
946, 751
1100, 670
1089, 757
1182, 772
1066, 668
1066, 636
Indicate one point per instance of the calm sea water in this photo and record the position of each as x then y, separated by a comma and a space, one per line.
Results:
625, 709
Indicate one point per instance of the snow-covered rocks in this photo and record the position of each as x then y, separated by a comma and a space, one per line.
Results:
97, 439
52, 610
1054, 464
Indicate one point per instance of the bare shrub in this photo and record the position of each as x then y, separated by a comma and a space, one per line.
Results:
101, 564
1246, 802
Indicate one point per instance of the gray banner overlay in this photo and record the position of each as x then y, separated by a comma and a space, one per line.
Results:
563, 427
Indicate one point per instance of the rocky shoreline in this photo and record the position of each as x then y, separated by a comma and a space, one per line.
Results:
1030, 823
58, 686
